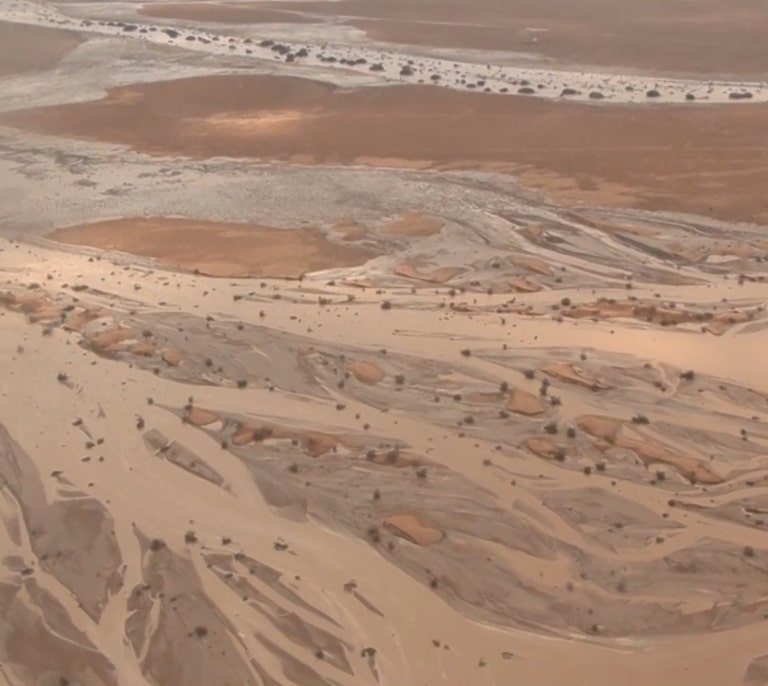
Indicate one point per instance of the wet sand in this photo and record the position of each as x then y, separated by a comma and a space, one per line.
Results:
708, 160
304, 385
603, 510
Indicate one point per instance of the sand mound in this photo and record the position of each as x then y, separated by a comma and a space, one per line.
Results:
717, 324
543, 447
199, 416
399, 459
605, 428
523, 402
79, 319
573, 374
409, 527
533, 264
524, 285
172, 358
313, 443
366, 372
37, 308
217, 248
612, 432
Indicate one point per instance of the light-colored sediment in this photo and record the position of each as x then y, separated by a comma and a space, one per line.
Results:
301, 425
406, 500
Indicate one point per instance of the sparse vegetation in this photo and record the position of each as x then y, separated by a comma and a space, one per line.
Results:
551, 428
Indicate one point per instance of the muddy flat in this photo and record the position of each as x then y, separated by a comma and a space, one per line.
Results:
317, 375
709, 160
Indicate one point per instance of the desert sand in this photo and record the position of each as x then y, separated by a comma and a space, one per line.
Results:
709, 160
31, 48
309, 380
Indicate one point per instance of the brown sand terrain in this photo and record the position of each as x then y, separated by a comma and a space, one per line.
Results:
422, 465
394, 421
708, 160
703, 36
32, 48
217, 249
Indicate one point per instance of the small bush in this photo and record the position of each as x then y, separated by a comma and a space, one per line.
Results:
190, 537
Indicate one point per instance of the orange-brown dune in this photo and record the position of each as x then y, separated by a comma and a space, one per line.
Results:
217, 248
31, 48
705, 37
705, 160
